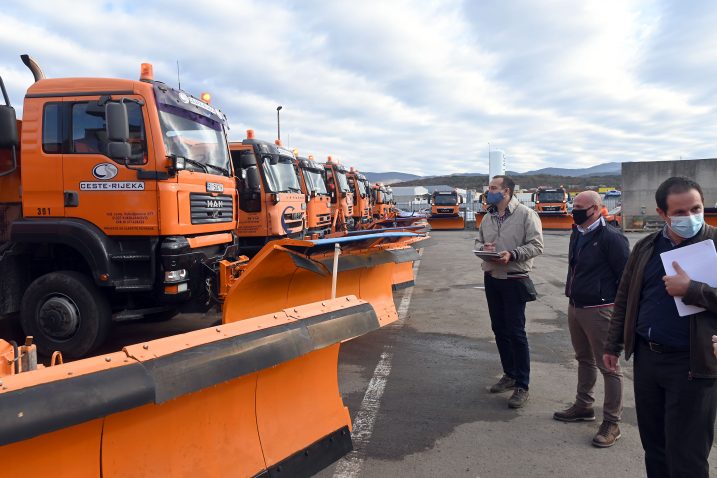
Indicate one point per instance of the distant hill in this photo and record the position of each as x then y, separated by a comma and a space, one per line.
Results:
603, 169
391, 177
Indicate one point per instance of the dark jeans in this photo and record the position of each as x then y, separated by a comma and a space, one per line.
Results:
675, 414
507, 319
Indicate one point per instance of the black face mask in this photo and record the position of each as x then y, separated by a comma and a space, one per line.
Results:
581, 215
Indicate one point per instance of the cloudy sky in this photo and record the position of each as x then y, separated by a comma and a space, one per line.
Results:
408, 85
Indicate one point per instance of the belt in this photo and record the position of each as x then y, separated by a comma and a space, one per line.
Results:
582, 306
661, 348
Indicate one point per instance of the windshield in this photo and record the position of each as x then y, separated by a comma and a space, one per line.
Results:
195, 138
444, 200
343, 182
315, 182
361, 188
279, 174
551, 196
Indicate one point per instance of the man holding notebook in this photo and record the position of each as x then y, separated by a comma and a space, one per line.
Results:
675, 371
513, 233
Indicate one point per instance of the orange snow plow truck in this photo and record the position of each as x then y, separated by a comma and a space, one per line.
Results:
117, 201
271, 202
445, 213
551, 204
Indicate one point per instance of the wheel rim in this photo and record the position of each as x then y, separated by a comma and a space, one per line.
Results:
58, 317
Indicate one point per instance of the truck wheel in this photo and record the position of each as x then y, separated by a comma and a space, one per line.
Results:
65, 311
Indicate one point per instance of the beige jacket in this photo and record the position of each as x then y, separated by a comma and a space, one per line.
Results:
521, 233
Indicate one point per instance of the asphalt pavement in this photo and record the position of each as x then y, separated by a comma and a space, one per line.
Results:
418, 390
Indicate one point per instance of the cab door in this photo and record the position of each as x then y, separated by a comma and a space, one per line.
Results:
98, 189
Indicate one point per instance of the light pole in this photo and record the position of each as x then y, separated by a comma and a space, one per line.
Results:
278, 127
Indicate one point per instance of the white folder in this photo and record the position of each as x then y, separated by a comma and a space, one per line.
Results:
699, 261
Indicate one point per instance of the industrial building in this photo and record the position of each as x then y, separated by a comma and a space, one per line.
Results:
641, 179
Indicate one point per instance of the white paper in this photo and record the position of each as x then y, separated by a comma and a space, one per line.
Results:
699, 261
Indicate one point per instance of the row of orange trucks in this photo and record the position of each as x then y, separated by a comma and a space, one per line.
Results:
123, 200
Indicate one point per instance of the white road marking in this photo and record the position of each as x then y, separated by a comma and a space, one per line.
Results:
350, 465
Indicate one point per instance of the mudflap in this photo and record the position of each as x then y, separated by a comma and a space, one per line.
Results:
257, 397
560, 222
446, 223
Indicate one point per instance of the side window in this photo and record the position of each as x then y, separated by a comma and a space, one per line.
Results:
88, 129
52, 136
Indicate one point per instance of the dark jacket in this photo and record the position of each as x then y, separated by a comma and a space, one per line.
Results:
703, 325
594, 269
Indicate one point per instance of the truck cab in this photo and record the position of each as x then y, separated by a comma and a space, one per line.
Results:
341, 195
551, 201
382, 201
317, 197
445, 204
119, 203
271, 202
360, 188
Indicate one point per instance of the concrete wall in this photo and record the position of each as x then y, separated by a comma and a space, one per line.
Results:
641, 179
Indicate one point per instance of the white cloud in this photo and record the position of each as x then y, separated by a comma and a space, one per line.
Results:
412, 86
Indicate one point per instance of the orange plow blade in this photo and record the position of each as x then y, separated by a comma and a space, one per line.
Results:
254, 397
446, 223
288, 272
557, 221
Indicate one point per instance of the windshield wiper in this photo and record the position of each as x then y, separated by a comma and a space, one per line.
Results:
294, 190
218, 168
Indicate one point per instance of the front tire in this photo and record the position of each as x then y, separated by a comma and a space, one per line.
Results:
65, 311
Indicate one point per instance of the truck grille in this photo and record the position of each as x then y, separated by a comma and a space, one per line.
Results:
293, 219
208, 209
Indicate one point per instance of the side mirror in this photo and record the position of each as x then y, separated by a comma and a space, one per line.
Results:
8, 127
117, 128
116, 122
253, 179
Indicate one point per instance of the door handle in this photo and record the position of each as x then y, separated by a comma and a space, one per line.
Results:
72, 198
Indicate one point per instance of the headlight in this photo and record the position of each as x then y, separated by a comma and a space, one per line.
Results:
175, 276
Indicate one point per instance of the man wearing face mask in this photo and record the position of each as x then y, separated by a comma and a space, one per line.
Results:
515, 232
596, 259
675, 371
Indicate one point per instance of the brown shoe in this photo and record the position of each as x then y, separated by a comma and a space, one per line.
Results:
504, 384
575, 413
607, 435
519, 398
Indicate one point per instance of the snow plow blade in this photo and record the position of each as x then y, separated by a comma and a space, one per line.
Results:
446, 223
557, 221
403, 273
253, 397
289, 272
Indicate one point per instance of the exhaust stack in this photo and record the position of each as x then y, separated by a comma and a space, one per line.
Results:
33, 66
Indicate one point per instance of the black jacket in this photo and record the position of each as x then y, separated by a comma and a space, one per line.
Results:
594, 269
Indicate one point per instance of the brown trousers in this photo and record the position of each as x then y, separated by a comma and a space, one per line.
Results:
588, 331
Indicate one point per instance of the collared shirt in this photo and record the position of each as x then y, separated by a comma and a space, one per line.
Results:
593, 226
658, 320
498, 217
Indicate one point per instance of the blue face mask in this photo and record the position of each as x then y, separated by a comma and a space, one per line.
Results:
494, 197
687, 226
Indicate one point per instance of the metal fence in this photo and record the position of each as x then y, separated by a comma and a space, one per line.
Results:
469, 210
